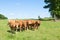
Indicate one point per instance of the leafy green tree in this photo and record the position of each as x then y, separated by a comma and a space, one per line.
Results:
54, 8
3, 17
39, 17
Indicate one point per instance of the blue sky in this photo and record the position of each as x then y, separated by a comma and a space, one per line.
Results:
23, 9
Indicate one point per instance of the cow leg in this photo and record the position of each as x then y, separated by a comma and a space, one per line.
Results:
34, 27
12, 30
38, 25
29, 27
16, 27
25, 27
20, 28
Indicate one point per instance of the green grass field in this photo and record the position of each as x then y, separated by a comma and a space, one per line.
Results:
48, 30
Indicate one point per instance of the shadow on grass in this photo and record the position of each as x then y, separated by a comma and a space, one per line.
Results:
58, 37
13, 32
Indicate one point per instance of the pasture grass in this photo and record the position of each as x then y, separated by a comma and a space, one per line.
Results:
48, 30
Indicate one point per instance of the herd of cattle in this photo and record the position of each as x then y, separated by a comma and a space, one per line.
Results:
19, 25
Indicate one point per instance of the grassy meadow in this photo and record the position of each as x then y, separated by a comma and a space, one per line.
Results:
48, 30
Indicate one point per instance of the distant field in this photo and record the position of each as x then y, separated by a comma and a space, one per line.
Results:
48, 30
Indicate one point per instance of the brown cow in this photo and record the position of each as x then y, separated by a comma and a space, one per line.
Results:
37, 24
33, 24
25, 23
12, 25
22, 24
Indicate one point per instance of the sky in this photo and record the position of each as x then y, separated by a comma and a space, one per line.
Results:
23, 9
